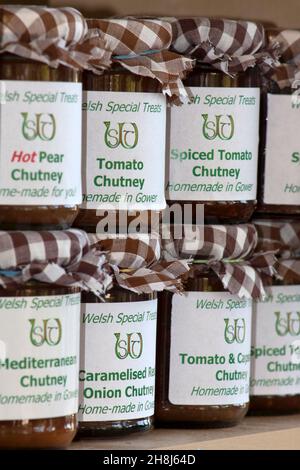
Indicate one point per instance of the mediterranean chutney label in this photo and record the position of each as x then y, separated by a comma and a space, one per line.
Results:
39, 356
124, 150
282, 160
210, 349
213, 149
275, 368
117, 373
40, 143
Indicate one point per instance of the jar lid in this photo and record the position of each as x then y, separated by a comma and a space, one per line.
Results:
62, 258
128, 251
228, 250
288, 270
50, 35
288, 70
209, 242
135, 260
228, 45
289, 41
141, 46
282, 236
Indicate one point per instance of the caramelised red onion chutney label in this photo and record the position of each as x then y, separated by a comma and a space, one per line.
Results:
40, 143
117, 373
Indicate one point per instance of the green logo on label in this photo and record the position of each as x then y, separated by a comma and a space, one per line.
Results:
125, 134
42, 126
49, 332
131, 346
235, 332
221, 127
288, 324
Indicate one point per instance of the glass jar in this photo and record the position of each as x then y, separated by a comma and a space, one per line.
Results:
186, 394
212, 129
129, 155
40, 341
276, 333
278, 191
41, 131
118, 341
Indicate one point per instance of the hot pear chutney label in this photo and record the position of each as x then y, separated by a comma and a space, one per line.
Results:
39, 356
210, 349
213, 149
40, 143
124, 150
275, 368
117, 373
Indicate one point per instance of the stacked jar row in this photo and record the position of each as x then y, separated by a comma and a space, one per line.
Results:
212, 155
148, 341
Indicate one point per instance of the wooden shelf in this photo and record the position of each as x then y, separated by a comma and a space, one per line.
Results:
254, 433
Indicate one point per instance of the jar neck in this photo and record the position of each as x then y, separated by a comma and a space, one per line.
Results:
8, 57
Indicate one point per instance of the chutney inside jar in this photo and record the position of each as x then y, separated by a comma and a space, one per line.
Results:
211, 160
117, 373
39, 373
41, 144
278, 192
197, 383
123, 175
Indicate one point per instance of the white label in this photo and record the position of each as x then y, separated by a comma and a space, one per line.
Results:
117, 375
214, 146
39, 356
210, 349
40, 143
124, 150
282, 175
276, 343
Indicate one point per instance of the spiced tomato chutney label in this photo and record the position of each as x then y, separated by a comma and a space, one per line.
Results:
275, 368
282, 175
117, 374
40, 143
124, 150
39, 356
213, 150
210, 349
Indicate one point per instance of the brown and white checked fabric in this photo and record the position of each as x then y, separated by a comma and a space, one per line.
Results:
288, 270
283, 237
161, 276
209, 242
228, 45
246, 278
141, 46
132, 251
288, 71
51, 35
228, 250
135, 260
62, 258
